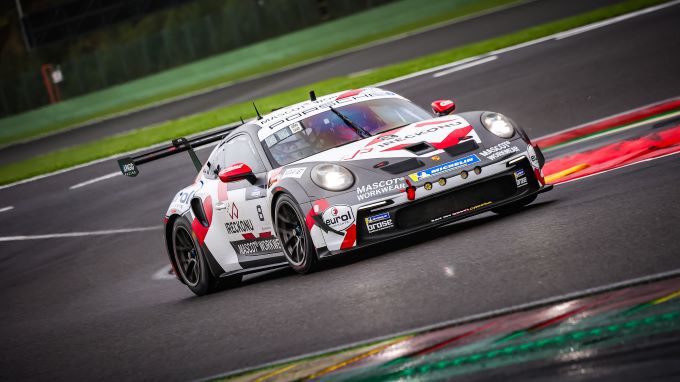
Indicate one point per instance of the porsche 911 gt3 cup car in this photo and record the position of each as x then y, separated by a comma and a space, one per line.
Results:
336, 173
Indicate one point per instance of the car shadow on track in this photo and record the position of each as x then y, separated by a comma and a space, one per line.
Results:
384, 248
422, 237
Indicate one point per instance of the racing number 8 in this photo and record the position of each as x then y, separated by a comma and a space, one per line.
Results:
260, 215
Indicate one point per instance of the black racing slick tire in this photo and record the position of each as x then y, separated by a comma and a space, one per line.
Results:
295, 237
192, 266
515, 206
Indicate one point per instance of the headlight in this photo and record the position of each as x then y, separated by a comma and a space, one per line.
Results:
332, 177
498, 124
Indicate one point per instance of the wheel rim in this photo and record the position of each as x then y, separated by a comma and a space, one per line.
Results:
291, 233
186, 257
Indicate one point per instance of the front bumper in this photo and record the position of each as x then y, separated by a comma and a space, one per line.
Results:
457, 200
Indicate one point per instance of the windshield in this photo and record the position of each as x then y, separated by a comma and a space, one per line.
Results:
326, 130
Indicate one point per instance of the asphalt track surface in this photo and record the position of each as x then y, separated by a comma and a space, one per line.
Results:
488, 26
87, 307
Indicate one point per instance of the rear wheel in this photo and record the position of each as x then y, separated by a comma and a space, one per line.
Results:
295, 238
190, 260
515, 206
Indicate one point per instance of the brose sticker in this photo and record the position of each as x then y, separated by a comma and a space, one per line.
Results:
520, 178
379, 222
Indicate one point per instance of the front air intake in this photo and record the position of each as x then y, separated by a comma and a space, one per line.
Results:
403, 166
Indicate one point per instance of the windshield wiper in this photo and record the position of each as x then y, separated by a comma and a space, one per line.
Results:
361, 132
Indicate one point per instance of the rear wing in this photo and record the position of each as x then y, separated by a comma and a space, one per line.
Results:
128, 165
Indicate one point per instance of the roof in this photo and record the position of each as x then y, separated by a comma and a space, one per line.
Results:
276, 120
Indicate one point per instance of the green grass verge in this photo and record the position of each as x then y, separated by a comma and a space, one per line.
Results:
199, 122
263, 57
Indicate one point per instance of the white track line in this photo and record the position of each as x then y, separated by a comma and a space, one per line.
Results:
79, 234
114, 174
464, 66
614, 20
425, 71
94, 180
394, 80
5, 209
555, 36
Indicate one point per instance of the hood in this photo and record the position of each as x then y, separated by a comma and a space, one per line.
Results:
417, 139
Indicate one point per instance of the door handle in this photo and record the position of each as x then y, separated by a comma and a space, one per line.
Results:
221, 205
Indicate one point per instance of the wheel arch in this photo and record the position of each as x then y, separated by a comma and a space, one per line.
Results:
169, 224
290, 188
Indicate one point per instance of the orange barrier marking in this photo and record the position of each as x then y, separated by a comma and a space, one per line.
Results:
355, 359
552, 177
666, 298
275, 373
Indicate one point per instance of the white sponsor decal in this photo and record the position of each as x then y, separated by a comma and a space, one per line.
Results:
532, 156
380, 188
500, 150
379, 222
296, 127
258, 246
338, 217
294, 172
379, 226
520, 179
239, 226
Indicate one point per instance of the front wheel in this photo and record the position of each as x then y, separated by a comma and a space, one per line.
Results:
295, 238
190, 260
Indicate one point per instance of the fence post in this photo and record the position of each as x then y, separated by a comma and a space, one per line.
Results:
189, 43
3, 99
208, 22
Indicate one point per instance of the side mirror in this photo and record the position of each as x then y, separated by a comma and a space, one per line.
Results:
443, 107
236, 172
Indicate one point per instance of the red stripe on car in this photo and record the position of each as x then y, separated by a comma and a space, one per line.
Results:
350, 237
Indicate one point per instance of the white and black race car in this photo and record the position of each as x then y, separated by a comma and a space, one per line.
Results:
334, 174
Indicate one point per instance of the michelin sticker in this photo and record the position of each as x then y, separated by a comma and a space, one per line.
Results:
380, 188
500, 150
338, 217
379, 222
445, 167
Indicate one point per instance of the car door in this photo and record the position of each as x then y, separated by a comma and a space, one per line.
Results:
240, 209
